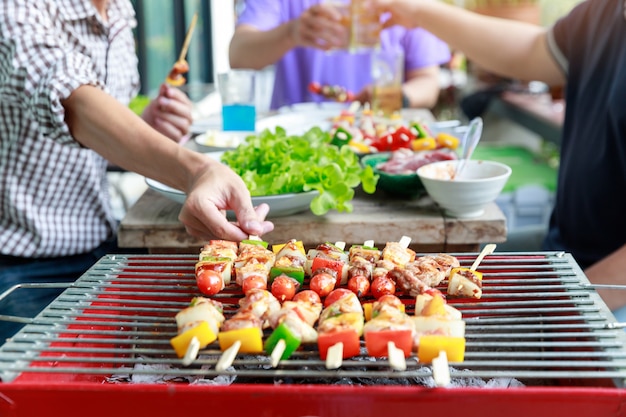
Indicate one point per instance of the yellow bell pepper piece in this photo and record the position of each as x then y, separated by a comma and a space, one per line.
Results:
445, 140
251, 339
367, 311
430, 345
423, 144
276, 248
368, 308
434, 305
202, 332
359, 147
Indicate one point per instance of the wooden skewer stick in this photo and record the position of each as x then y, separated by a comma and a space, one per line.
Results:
192, 351
487, 250
405, 241
192, 26
277, 352
228, 357
397, 361
441, 370
334, 356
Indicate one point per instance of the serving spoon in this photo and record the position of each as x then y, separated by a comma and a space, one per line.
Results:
470, 140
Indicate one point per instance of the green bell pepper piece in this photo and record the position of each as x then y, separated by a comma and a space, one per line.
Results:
341, 137
256, 242
419, 130
292, 342
292, 272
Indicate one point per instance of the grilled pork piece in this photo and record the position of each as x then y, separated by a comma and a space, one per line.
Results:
299, 317
261, 303
424, 273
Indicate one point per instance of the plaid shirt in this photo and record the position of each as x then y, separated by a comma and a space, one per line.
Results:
54, 193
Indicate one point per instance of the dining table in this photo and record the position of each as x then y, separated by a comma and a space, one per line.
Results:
152, 222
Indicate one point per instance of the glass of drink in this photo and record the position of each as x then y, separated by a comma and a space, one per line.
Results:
387, 79
361, 21
237, 91
365, 25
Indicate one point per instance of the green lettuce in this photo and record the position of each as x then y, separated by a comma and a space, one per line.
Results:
273, 163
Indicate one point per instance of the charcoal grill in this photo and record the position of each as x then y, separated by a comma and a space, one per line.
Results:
540, 341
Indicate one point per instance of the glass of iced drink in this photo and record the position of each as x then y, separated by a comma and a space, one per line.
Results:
387, 78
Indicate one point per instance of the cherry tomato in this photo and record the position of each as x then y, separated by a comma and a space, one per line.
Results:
322, 283
253, 282
336, 295
209, 282
359, 285
315, 87
307, 295
284, 287
382, 286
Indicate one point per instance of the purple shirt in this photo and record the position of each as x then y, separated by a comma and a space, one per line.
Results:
300, 66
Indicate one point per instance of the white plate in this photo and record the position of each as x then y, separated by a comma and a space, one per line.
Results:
280, 205
298, 118
212, 140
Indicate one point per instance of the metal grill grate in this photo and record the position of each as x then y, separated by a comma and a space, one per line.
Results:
539, 321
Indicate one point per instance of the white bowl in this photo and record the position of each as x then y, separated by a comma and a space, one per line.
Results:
479, 184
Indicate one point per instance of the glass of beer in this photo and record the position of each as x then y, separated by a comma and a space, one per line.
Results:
387, 78
361, 21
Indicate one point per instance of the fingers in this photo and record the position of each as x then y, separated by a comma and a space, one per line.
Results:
173, 116
219, 189
209, 222
320, 27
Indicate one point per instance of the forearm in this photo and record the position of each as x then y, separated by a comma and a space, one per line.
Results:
422, 87
251, 48
612, 271
505, 47
101, 123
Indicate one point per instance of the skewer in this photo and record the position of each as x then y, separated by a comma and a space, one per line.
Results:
397, 361
277, 352
180, 67
192, 352
334, 357
468, 282
228, 357
487, 250
441, 370
187, 41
